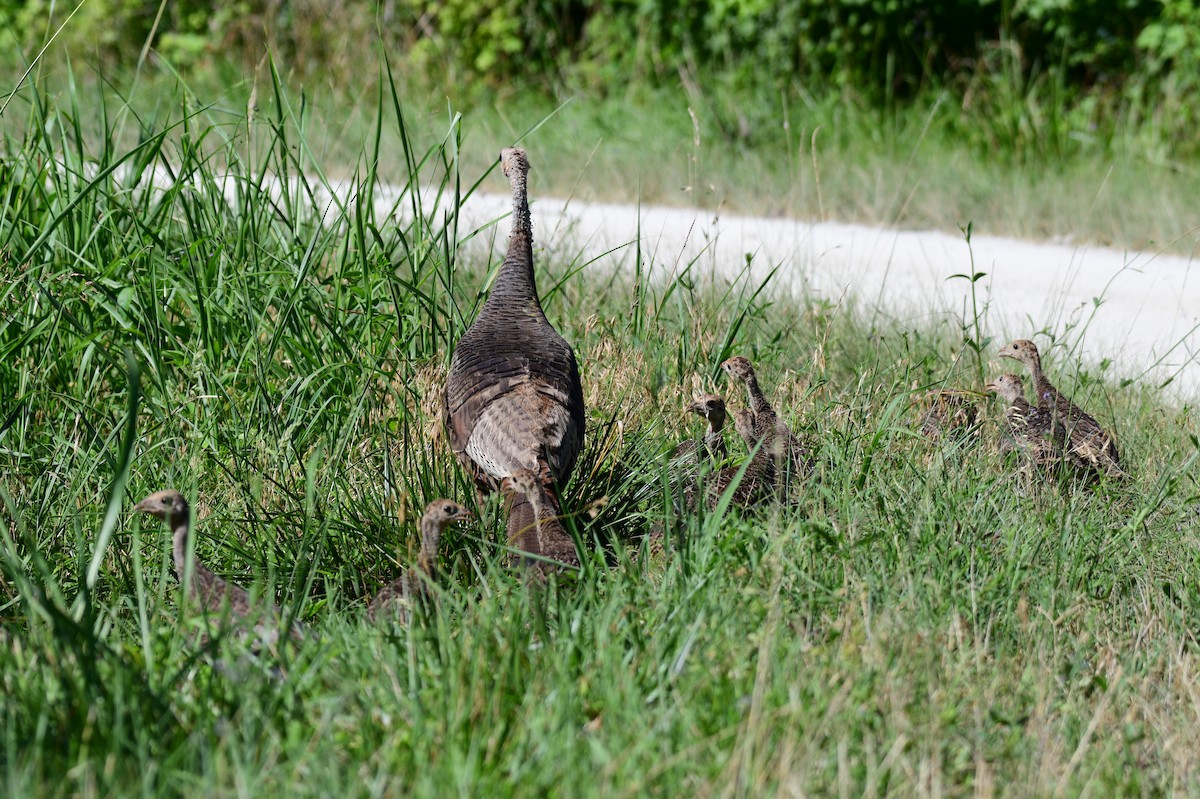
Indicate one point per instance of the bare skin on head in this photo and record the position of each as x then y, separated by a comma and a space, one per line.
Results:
1088, 440
216, 595
395, 599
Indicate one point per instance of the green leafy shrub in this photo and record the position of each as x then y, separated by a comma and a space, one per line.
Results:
1060, 52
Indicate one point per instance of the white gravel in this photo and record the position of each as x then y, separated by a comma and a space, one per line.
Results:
1139, 310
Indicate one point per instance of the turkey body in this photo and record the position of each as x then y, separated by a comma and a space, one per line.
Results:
1087, 440
514, 399
759, 478
395, 599
1034, 431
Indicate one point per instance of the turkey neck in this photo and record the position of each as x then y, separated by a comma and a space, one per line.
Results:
1041, 385
520, 199
544, 511
181, 524
431, 537
716, 423
713, 442
757, 400
515, 282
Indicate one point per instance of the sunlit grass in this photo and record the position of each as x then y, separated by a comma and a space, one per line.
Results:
924, 619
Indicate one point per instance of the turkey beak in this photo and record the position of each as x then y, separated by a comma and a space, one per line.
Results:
991, 388
696, 407
463, 516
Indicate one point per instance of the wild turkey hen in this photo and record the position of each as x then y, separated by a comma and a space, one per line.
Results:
535, 525
395, 599
1087, 439
217, 596
513, 396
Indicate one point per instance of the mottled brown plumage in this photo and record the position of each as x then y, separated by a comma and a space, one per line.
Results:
216, 596
712, 408
514, 399
947, 411
758, 481
395, 599
1035, 433
1088, 440
691, 459
535, 524
791, 456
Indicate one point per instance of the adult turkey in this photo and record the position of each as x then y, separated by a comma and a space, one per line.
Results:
513, 395
514, 400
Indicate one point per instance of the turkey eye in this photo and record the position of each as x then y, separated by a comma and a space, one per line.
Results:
449, 509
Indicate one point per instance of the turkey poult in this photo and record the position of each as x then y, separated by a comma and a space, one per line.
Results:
535, 525
1035, 432
791, 455
1088, 440
217, 596
759, 478
692, 457
513, 395
947, 411
712, 445
395, 599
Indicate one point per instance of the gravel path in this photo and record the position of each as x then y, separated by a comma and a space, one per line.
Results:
1140, 310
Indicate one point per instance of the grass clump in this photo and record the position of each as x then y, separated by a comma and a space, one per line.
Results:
923, 617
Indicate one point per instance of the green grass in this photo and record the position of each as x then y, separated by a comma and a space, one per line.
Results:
922, 622
1005, 156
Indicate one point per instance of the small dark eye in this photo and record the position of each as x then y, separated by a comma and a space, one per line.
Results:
448, 510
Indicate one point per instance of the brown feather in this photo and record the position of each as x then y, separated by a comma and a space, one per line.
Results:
1088, 440
535, 525
513, 396
395, 599
217, 597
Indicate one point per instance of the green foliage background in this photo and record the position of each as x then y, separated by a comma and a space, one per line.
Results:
884, 48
